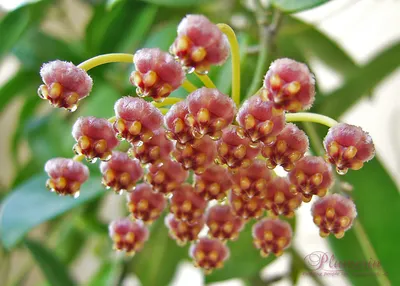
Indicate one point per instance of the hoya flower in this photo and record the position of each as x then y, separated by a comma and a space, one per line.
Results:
64, 84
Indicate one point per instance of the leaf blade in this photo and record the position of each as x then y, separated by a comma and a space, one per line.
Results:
20, 212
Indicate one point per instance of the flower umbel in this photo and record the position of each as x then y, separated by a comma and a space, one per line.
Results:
211, 174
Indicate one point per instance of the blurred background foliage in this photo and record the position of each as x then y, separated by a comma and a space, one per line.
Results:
57, 231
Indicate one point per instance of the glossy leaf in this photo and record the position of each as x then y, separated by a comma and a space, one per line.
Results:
297, 5
31, 204
360, 83
378, 206
157, 262
53, 269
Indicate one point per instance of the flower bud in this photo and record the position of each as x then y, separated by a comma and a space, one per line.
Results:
183, 231
271, 236
259, 120
252, 181
175, 123
136, 119
186, 205
245, 207
311, 176
333, 214
144, 204
235, 151
291, 145
64, 84
166, 177
279, 200
153, 151
348, 147
223, 223
121, 172
289, 85
66, 176
95, 138
128, 235
209, 254
199, 44
196, 156
210, 111
157, 73
214, 183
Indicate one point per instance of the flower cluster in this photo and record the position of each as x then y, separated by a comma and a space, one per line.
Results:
227, 150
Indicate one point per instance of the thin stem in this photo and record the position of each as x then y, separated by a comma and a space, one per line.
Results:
188, 86
368, 250
310, 117
105, 59
366, 246
78, 158
164, 110
167, 101
233, 42
267, 34
205, 80
112, 119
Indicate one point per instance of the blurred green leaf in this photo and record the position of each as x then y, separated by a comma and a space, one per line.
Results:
297, 5
53, 269
245, 260
312, 43
17, 85
106, 275
162, 37
36, 48
177, 3
104, 31
31, 204
72, 240
156, 264
12, 26
378, 205
361, 82
101, 101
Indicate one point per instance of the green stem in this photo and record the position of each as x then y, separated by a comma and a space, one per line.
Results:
267, 33
366, 246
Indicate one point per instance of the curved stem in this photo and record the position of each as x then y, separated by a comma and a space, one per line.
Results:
206, 80
310, 117
233, 42
78, 158
105, 59
121, 58
167, 101
188, 86
164, 110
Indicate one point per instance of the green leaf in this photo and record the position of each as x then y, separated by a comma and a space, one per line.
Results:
31, 204
312, 43
177, 3
106, 275
378, 205
101, 101
53, 269
36, 48
17, 85
157, 262
360, 83
12, 26
297, 5
245, 260
104, 31
162, 37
